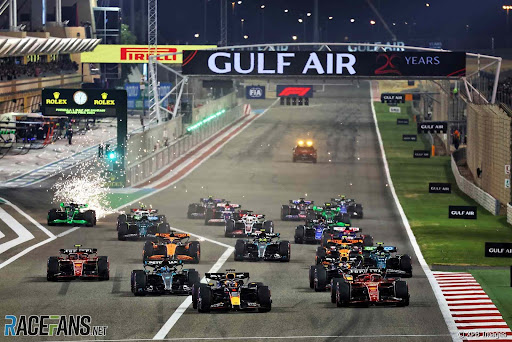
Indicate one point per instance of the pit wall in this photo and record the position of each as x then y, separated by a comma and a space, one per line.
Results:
155, 160
211, 107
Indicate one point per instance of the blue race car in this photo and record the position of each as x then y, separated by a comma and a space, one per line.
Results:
349, 206
166, 277
296, 210
142, 223
262, 246
311, 232
386, 259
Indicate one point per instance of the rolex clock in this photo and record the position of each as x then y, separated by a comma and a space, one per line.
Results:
80, 97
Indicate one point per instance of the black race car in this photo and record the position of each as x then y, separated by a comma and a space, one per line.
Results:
295, 210
230, 292
262, 246
167, 276
198, 210
141, 223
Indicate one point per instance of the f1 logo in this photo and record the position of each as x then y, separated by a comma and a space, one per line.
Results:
294, 91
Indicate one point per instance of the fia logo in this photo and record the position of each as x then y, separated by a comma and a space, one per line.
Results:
255, 92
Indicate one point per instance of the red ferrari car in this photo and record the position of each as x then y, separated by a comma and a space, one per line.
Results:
76, 263
304, 151
371, 289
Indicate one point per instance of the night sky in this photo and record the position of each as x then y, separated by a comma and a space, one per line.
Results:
458, 24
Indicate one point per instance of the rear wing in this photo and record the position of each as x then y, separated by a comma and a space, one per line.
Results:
172, 236
390, 249
226, 275
151, 211
365, 270
232, 205
216, 200
78, 250
302, 200
170, 262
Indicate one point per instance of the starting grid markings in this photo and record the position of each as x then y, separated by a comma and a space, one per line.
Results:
474, 313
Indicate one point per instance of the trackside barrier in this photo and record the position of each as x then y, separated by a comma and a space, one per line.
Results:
154, 162
483, 198
509, 213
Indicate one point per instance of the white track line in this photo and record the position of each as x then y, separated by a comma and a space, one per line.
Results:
23, 233
1, 235
433, 283
66, 232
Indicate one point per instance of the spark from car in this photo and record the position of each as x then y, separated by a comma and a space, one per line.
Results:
84, 186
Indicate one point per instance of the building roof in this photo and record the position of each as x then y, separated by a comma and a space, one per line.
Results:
10, 47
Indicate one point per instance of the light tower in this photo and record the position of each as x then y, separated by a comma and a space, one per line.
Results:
153, 51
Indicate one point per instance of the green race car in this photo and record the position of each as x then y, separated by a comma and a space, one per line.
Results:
72, 214
329, 212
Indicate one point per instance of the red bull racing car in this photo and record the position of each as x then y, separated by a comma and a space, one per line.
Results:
77, 263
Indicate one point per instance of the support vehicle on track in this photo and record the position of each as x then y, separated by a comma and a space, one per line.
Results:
72, 214
78, 263
165, 277
248, 223
173, 246
231, 292
370, 289
304, 151
295, 210
262, 246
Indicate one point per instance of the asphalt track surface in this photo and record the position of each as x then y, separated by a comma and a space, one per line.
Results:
254, 169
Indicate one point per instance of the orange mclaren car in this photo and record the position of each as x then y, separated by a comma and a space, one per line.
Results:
174, 246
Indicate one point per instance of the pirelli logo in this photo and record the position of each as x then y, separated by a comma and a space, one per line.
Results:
142, 54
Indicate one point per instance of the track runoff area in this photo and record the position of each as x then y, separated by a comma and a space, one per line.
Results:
254, 167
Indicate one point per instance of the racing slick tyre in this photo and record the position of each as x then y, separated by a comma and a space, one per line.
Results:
294, 159
193, 278
405, 265
320, 255
359, 211
52, 216
230, 227
208, 216
194, 250
147, 251
310, 215
103, 269
138, 282
121, 219
90, 218
191, 210
325, 238
299, 234
164, 228
253, 284
314, 161
285, 210
264, 299
52, 269
122, 231
402, 292
285, 251
342, 294
334, 285
320, 278
368, 240
268, 226
312, 277
239, 250
204, 299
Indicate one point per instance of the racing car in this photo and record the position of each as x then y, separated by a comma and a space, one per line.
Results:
231, 293
72, 213
174, 246
346, 236
222, 212
77, 263
198, 210
141, 223
295, 210
348, 205
314, 231
371, 288
304, 151
386, 258
262, 246
248, 223
342, 249
329, 212
166, 277
321, 276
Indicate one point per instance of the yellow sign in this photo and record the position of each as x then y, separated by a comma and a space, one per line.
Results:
56, 100
137, 53
104, 101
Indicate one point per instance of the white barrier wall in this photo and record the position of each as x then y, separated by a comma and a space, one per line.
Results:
470, 189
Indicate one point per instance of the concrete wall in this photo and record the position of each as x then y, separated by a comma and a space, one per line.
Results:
488, 148
142, 144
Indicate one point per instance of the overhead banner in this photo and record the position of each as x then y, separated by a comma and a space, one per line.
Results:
104, 53
294, 91
84, 102
325, 63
